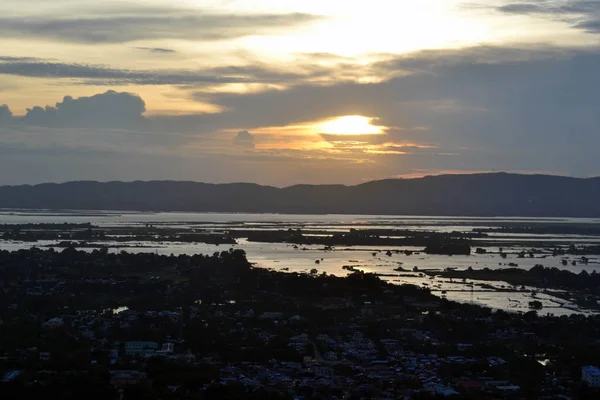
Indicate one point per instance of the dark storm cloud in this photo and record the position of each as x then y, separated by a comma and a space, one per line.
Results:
145, 24
106, 110
581, 14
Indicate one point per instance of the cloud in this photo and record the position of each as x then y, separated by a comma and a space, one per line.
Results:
107, 110
150, 24
580, 14
17, 59
428, 61
521, 8
102, 75
5, 114
158, 50
244, 139
552, 7
98, 75
497, 108
501, 108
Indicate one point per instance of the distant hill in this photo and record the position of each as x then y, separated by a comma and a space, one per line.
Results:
497, 194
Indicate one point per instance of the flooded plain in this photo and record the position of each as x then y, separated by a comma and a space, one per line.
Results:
398, 265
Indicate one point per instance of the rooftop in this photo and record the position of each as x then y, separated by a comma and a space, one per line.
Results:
11, 375
591, 370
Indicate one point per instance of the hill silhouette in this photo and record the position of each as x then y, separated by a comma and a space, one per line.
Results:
497, 194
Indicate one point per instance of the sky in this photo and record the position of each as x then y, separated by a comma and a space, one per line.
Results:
297, 92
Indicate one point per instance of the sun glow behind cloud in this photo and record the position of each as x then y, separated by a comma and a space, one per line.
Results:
349, 125
353, 138
346, 125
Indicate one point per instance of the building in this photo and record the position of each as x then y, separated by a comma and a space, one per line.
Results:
591, 375
11, 375
143, 349
122, 379
321, 371
168, 348
54, 323
299, 342
271, 315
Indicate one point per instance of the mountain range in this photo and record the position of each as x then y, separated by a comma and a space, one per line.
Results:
496, 194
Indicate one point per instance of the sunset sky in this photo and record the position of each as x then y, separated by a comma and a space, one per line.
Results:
282, 92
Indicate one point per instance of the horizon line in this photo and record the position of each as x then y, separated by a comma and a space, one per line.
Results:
396, 178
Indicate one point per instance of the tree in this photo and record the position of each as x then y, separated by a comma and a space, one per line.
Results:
536, 305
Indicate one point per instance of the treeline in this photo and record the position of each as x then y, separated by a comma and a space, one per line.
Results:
538, 276
46, 226
542, 229
35, 264
433, 242
98, 235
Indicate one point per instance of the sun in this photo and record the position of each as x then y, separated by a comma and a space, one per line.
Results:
349, 125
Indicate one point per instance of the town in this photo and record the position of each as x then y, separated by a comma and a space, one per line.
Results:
100, 325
